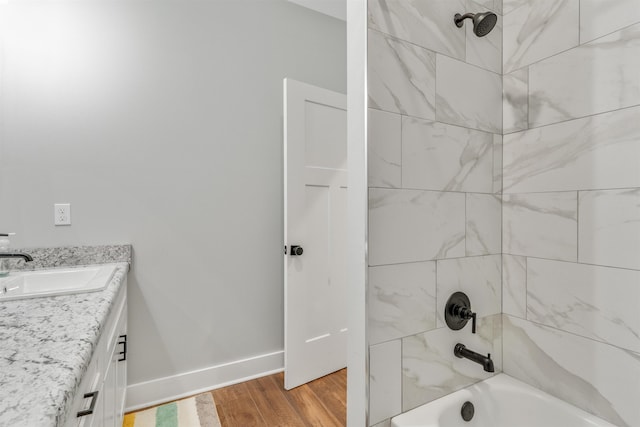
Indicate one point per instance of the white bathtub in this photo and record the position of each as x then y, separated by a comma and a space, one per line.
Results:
500, 401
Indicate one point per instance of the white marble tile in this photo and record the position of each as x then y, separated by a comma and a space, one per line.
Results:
599, 76
609, 228
437, 156
515, 97
599, 378
468, 96
427, 23
497, 164
401, 77
402, 300
413, 225
430, 370
484, 224
509, 6
492, 5
478, 277
514, 285
541, 225
539, 29
385, 423
596, 302
385, 378
384, 149
485, 52
594, 152
601, 17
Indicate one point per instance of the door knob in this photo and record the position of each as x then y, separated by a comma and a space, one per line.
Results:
296, 250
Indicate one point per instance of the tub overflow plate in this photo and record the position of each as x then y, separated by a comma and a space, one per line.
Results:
467, 411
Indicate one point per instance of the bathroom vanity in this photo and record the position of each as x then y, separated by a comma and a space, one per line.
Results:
100, 398
63, 359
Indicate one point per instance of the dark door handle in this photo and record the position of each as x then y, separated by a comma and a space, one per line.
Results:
296, 250
94, 398
123, 342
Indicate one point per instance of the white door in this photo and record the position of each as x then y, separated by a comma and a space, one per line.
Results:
315, 218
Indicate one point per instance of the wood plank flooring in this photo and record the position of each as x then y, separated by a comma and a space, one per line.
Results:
264, 402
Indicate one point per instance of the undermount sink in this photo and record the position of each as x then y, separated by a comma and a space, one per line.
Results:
42, 283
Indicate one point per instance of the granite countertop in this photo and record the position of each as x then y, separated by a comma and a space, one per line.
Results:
46, 345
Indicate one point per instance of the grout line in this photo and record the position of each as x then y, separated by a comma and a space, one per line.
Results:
434, 120
437, 259
573, 119
401, 375
573, 47
577, 226
574, 262
626, 27
435, 87
436, 191
582, 190
436, 52
526, 287
528, 98
543, 325
579, 22
438, 296
402, 121
512, 10
466, 225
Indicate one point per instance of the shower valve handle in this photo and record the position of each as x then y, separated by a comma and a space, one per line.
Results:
465, 313
457, 312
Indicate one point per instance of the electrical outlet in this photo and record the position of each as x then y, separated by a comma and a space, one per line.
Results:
62, 214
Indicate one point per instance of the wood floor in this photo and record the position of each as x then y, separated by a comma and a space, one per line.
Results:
264, 402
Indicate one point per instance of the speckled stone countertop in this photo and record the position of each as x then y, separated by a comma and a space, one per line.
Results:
46, 345
72, 256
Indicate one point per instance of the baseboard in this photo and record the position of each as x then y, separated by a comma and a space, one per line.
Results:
161, 390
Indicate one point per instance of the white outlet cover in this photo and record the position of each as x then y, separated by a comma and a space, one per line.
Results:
62, 214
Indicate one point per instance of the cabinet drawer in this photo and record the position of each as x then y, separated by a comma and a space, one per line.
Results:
111, 333
90, 384
102, 374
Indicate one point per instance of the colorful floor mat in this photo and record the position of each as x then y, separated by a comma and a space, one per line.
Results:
196, 411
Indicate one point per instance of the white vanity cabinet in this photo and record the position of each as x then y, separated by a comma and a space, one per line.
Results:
100, 399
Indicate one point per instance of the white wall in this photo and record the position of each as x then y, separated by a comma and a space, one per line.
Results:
161, 123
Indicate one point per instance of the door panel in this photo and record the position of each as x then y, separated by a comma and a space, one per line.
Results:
315, 218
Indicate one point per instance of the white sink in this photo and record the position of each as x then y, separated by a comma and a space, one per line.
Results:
42, 283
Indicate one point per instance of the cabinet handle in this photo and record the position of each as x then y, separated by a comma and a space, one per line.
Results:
123, 353
94, 398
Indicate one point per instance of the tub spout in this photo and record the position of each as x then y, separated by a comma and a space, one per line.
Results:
460, 350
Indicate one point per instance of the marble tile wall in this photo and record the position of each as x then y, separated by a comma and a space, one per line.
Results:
531, 207
571, 202
435, 183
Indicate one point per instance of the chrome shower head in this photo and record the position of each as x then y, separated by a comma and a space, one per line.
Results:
483, 23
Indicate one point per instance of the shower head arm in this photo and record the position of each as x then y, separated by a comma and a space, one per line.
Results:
458, 19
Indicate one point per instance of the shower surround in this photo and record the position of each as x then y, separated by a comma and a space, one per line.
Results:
541, 231
571, 208
435, 136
